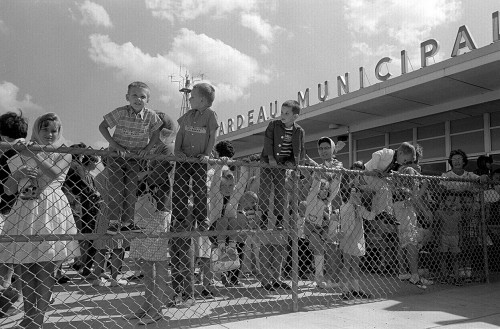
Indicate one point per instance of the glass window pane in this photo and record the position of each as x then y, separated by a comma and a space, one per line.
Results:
365, 156
430, 131
495, 139
469, 143
466, 124
401, 136
433, 169
372, 142
495, 119
433, 148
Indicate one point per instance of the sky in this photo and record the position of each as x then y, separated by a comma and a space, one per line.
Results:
76, 58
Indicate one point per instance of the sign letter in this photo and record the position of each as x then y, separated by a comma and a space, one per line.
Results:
325, 96
250, 118
463, 33
303, 98
240, 120
377, 69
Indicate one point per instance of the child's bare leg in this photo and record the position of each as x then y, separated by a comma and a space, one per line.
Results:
116, 262
346, 274
149, 286
163, 290
29, 283
45, 283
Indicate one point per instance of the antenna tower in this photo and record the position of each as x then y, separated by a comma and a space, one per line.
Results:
185, 80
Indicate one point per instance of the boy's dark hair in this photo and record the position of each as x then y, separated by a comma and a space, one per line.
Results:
325, 140
139, 84
207, 91
458, 152
13, 125
225, 149
482, 160
358, 165
407, 148
294, 105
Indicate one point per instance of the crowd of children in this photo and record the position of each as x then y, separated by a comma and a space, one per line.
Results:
134, 194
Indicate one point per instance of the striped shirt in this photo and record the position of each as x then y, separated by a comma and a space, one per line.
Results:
133, 129
286, 146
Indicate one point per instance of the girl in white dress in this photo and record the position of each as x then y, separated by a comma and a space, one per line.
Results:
41, 208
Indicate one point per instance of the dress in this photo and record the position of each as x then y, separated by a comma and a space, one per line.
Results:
351, 225
153, 222
47, 213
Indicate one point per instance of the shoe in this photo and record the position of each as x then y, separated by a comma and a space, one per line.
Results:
131, 228
361, 294
404, 276
98, 283
150, 319
113, 229
427, 282
116, 283
135, 277
207, 294
184, 301
269, 287
63, 279
238, 284
281, 285
346, 295
417, 282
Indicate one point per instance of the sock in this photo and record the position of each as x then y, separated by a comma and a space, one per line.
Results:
355, 284
319, 262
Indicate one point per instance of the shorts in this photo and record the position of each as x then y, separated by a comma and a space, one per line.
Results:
450, 243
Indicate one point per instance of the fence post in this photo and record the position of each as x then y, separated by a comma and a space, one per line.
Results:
295, 243
484, 234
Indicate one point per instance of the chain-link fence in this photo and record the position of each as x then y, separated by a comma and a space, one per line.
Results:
89, 238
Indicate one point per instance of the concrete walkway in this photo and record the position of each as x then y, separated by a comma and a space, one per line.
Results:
473, 307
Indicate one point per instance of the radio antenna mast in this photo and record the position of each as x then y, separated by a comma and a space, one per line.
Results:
185, 81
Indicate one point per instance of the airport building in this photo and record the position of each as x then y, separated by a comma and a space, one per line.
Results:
453, 104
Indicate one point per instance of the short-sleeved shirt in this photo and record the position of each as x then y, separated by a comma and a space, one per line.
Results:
195, 125
133, 129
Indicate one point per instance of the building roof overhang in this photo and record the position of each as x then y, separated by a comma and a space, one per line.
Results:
462, 86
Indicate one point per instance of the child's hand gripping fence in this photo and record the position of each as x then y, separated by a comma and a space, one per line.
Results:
304, 237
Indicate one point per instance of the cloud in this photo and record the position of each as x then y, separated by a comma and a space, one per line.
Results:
407, 22
184, 10
229, 70
262, 28
94, 14
9, 99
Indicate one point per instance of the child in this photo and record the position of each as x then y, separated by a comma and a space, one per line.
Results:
195, 138
40, 209
352, 242
283, 145
248, 207
472, 243
230, 220
103, 245
154, 255
449, 219
407, 198
318, 215
13, 129
134, 125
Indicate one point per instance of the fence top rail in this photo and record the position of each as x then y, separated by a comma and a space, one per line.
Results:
224, 161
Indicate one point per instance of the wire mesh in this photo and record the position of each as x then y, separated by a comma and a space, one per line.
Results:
118, 242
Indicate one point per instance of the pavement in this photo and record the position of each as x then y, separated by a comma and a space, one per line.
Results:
475, 307
397, 304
